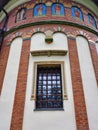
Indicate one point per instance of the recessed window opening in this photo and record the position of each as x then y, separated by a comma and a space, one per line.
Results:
49, 87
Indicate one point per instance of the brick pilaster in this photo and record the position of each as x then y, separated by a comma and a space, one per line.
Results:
4, 53
19, 101
78, 94
94, 56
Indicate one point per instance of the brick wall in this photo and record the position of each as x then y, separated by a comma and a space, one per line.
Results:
79, 101
66, 17
19, 101
3, 62
94, 59
78, 94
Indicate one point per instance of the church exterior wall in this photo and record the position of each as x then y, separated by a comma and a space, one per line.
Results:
47, 38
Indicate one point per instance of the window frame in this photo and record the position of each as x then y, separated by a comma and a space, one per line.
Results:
34, 88
19, 13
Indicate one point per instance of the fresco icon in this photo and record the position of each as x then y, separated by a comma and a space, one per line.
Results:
21, 15
40, 10
58, 9
77, 13
91, 20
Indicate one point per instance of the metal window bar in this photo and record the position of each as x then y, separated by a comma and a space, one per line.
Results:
49, 87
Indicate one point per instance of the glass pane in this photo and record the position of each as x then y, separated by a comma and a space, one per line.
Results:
40, 82
49, 77
49, 87
44, 87
44, 92
44, 77
39, 97
39, 92
49, 82
40, 77
59, 86
44, 82
58, 77
44, 104
39, 88
53, 82
44, 97
54, 77
59, 91
49, 104
59, 97
49, 92
58, 82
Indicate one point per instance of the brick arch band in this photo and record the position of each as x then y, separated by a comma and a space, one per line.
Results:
68, 32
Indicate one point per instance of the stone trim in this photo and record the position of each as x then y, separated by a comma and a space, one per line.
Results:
64, 90
49, 53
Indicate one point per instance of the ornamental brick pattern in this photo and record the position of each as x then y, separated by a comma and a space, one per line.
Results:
78, 94
18, 108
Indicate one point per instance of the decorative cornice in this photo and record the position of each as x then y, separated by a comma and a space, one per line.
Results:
49, 53
52, 22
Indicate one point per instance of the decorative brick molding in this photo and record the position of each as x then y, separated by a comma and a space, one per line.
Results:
78, 94
54, 28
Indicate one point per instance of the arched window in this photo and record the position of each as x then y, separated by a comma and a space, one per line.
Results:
21, 15
91, 20
40, 10
77, 13
58, 9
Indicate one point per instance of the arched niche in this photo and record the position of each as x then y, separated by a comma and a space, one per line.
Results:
57, 9
76, 12
21, 14
39, 10
59, 42
91, 20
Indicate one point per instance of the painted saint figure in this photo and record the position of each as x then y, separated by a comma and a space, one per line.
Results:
40, 10
57, 10
77, 13
21, 15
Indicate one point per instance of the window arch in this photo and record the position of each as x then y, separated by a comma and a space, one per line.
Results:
57, 9
91, 20
21, 14
76, 12
40, 10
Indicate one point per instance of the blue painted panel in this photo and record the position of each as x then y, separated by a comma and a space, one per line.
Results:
40, 10
58, 9
77, 13
91, 20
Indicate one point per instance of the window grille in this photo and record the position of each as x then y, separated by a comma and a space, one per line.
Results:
49, 87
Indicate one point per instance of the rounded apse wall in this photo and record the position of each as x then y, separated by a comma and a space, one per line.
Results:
49, 34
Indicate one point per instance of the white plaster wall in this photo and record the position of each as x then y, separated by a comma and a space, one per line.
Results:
89, 82
49, 120
9, 84
59, 42
97, 46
